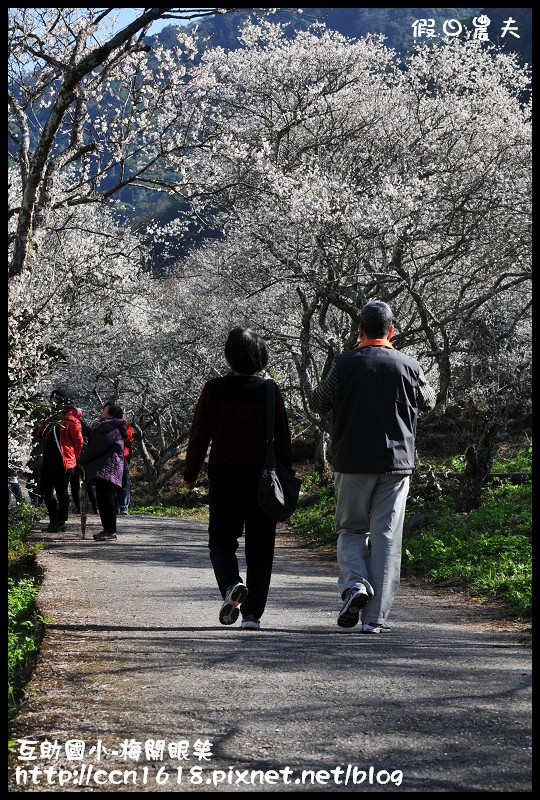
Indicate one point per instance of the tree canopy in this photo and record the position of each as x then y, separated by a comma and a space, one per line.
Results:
321, 171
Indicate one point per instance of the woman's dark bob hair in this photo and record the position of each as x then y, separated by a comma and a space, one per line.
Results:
246, 351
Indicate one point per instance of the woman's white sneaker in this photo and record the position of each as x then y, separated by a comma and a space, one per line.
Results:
249, 622
229, 612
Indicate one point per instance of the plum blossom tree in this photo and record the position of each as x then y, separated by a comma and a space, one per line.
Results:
150, 359
82, 96
87, 116
342, 174
332, 172
79, 291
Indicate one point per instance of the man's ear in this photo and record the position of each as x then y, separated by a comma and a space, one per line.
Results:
390, 332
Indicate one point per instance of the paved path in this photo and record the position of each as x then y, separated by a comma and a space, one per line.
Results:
136, 665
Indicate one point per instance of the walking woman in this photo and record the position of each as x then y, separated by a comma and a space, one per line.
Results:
231, 417
103, 460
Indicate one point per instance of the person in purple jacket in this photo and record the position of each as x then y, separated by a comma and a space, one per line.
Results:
103, 460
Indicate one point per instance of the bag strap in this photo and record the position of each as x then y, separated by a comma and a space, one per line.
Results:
270, 458
56, 438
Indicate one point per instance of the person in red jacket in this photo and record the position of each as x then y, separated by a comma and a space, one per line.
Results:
75, 477
62, 439
123, 493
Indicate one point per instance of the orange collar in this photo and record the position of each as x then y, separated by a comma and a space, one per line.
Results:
376, 342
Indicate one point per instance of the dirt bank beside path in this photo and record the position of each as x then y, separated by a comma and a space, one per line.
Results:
136, 667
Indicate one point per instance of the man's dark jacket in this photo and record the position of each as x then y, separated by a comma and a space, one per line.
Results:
375, 411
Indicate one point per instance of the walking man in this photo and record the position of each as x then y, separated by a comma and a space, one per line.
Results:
374, 393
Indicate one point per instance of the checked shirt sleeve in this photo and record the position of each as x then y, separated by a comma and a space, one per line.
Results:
322, 397
427, 396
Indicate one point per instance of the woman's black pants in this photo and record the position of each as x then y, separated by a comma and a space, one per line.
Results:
234, 512
106, 502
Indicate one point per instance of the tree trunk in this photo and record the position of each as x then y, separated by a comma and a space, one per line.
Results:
322, 459
479, 459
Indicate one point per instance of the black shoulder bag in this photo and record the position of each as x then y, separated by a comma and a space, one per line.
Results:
279, 487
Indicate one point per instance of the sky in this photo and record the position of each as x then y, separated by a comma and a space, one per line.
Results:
127, 15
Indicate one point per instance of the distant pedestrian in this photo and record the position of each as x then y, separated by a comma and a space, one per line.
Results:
230, 417
75, 477
15, 493
374, 393
62, 441
90, 489
103, 460
123, 494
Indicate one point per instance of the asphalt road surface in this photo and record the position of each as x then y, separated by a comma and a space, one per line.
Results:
140, 689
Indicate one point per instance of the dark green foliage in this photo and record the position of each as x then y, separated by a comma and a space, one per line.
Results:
25, 631
487, 551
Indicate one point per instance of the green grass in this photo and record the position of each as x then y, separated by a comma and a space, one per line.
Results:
487, 551
21, 520
163, 510
26, 625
